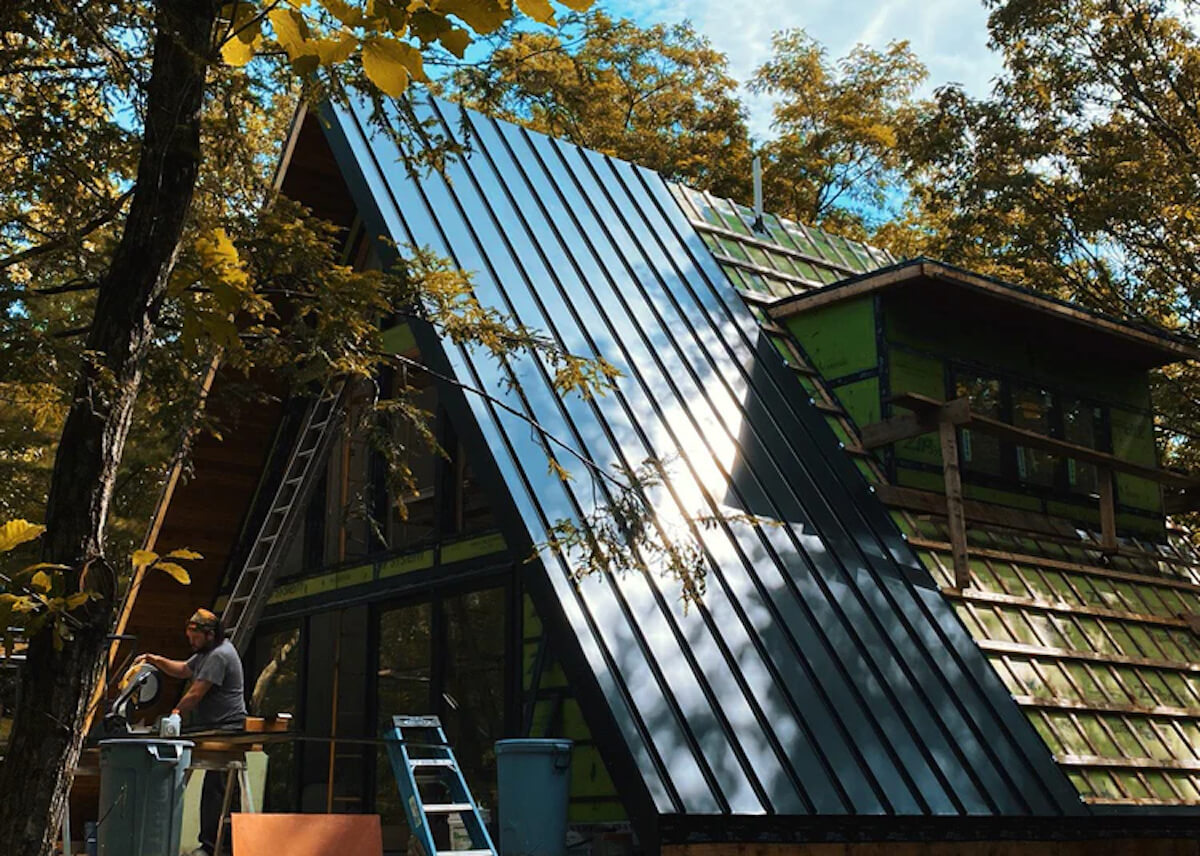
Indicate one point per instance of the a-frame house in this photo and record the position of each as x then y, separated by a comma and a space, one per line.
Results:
943, 607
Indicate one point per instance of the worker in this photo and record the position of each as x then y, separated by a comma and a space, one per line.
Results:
216, 701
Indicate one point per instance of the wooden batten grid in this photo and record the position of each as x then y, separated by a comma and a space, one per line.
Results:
926, 415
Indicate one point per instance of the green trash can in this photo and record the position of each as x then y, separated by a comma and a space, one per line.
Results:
534, 784
141, 796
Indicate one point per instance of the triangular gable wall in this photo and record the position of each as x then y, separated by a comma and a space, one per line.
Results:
823, 675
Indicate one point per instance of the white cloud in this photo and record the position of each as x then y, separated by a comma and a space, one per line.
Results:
949, 36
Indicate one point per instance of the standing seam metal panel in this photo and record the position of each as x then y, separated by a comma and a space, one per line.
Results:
706, 754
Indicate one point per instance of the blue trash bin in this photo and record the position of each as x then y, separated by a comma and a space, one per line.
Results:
534, 783
141, 796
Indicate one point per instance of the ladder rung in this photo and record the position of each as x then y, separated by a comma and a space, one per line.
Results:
430, 762
466, 853
447, 808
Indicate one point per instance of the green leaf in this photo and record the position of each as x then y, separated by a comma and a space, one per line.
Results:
16, 532
389, 65
540, 10
177, 572
142, 558
183, 553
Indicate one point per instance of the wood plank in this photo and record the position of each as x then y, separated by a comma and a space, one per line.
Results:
948, 435
1103, 762
1091, 707
1061, 606
1108, 510
1061, 565
307, 834
1045, 652
1042, 442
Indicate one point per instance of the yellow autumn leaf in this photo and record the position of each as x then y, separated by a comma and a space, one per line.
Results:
142, 558
386, 63
482, 16
344, 12
577, 5
77, 600
237, 53
16, 532
177, 572
220, 257
540, 10
184, 553
456, 41
333, 51
290, 31
40, 582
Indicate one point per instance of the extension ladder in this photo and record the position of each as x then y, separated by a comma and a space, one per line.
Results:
425, 769
254, 583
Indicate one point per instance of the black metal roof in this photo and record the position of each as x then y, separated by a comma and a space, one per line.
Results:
823, 674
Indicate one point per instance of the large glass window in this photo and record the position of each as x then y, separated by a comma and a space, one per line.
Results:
981, 453
473, 698
447, 657
276, 689
1033, 410
404, 687
1081, 426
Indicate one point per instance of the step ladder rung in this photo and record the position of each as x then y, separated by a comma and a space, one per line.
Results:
465, 853
430, 762
447, 808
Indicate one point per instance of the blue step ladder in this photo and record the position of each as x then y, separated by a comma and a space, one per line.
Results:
426, 770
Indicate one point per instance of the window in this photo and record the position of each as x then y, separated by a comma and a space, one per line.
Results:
412, 496
1081, 425
448, 657
981, 453
276, 689
1034, 408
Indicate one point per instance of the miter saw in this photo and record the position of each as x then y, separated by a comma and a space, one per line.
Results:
139, 688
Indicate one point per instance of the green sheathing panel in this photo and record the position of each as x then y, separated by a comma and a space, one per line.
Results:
920, 341
1095, 654
556, 713
860, 399
838, 339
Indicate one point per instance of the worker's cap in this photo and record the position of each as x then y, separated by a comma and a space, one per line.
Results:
202, 619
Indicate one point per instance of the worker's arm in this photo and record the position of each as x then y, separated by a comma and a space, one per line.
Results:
192, 697
170, 668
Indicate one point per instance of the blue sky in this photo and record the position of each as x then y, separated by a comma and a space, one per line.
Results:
949, 36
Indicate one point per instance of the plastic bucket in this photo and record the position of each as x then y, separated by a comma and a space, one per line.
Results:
141, 796
534, 783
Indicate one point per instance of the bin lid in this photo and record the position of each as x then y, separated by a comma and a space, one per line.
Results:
146, 741
533, 746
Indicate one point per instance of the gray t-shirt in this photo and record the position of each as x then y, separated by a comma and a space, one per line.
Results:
224, 705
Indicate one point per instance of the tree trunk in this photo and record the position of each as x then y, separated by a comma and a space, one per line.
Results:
56, 685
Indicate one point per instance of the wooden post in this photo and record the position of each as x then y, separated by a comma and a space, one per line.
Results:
1108, 510
948, 434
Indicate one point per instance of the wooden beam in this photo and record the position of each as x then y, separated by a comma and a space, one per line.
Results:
1108, 511
1045, 652
1060, 565
1089, 707
1134, 763
948, 434
905, 426
1059, 606
1034, 440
